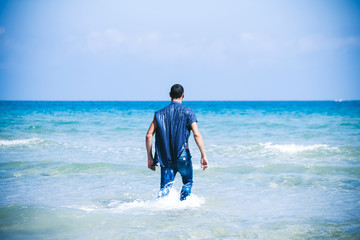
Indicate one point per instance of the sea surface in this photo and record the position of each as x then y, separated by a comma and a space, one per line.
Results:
277, 170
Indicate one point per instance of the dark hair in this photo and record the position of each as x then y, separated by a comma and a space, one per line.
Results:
176, 91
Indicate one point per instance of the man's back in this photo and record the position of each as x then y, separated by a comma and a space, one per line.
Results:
172, 133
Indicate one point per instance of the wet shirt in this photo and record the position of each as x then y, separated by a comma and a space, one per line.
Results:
172, 132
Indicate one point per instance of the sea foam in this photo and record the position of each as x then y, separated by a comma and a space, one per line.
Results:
17, 142
256, 149
294, 148
170, 202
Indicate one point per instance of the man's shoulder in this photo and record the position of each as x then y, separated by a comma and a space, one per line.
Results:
162, 109
188, 108
170, 107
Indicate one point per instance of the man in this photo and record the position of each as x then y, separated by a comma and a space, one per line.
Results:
172, 126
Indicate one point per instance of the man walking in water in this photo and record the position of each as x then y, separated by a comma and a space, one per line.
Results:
172, 126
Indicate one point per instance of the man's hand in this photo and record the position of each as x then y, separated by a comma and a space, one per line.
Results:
150, 164
204, 162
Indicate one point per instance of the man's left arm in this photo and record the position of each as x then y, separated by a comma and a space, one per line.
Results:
200, 143
149, 136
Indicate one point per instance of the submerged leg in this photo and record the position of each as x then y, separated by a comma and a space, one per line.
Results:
167, 180
185, 191
184, 165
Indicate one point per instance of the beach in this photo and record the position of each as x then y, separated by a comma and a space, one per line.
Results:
277, 170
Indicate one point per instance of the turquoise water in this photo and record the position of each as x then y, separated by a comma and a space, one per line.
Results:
278, 170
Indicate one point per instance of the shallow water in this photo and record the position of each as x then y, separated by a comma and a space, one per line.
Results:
278, 170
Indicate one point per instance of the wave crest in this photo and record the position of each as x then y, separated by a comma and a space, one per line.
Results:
294, 148
271, 148
17, 142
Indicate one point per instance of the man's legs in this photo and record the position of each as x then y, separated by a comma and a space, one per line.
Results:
167, 180
184, 166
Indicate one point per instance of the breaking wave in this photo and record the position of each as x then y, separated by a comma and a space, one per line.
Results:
271, 148
293, 148
17, 142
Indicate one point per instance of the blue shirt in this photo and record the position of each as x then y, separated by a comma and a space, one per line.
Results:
172, 132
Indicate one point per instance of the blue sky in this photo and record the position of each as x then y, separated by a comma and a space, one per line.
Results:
218, 50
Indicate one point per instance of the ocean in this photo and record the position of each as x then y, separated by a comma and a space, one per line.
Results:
277, 170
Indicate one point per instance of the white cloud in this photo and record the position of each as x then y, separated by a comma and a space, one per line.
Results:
319, 42
160, 47
173, 46
146, 40
247, 47
255, 43
150, 45
114, 36
248, 36
174, 35
108, 39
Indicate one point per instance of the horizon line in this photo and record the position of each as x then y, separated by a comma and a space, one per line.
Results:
312, 100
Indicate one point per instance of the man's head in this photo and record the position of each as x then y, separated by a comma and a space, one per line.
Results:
177, 91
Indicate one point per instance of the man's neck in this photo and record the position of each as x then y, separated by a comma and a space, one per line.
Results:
179, 100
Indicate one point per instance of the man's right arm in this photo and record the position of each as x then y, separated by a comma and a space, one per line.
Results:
200, 143
149, 136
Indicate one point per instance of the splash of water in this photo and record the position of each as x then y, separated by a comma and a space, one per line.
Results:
170, 202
